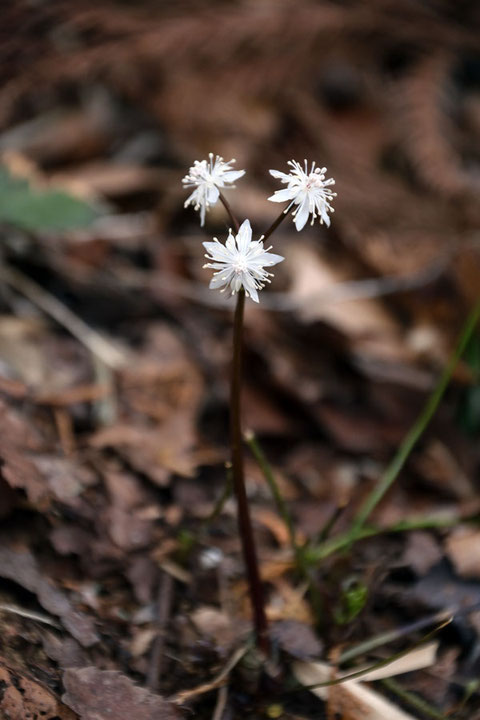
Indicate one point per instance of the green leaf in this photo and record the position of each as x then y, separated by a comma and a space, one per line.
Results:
40, 210
352, 600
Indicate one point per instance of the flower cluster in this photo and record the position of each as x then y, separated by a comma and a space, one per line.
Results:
207, 176
241, 262
309, 191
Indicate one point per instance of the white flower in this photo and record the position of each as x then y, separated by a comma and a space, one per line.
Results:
308, 190
207, 176
240, 262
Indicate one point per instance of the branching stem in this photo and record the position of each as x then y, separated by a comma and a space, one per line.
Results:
244, 521
236, 439
230, 214
277, 222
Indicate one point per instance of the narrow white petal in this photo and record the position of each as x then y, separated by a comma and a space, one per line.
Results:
280, 175
230, 244
213, 193
244, 236
217, 282
325, 217
268, 259
283, 195
217, 251
302, 215
232, 175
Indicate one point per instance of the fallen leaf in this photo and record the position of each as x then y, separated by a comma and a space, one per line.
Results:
17, 440
275, 524
216, 625
422, 551
22, 698
352, 700
364, 321
20, 566
297, 639
463, 549
107, 695
358, 702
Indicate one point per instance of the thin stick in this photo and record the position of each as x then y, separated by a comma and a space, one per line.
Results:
403, 453
222, 698
98, 345
244, 520
218, 681
163, 608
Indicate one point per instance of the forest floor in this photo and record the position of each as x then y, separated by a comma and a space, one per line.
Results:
122, 587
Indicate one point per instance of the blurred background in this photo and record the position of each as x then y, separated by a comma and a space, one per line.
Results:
113, 352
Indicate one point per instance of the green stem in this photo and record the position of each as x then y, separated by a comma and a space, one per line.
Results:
264, 466
412, 437
391, 635
340, 542
219, 505
412, 699
355, 674
244, 521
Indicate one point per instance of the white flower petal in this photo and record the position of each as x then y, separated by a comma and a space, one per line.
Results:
207, 177
244, 236
280, 175
217, 282
213, 193
301, 216
217, 251
230, 244
233, 175
283, 195
240, 263
268, 259
308, 189
325, 217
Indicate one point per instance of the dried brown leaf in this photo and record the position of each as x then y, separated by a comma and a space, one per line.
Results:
105, 694
463, 548
21, 698
21, 567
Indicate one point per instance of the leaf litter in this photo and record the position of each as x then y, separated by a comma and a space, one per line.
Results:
109, 469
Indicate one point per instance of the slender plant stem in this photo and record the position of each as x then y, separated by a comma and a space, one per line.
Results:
340, 542
387, 637
412, 437
243, 511
267, 472
412, 699
230, 213
244, 521
380, 663
277, 222
219, 505
236, 224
